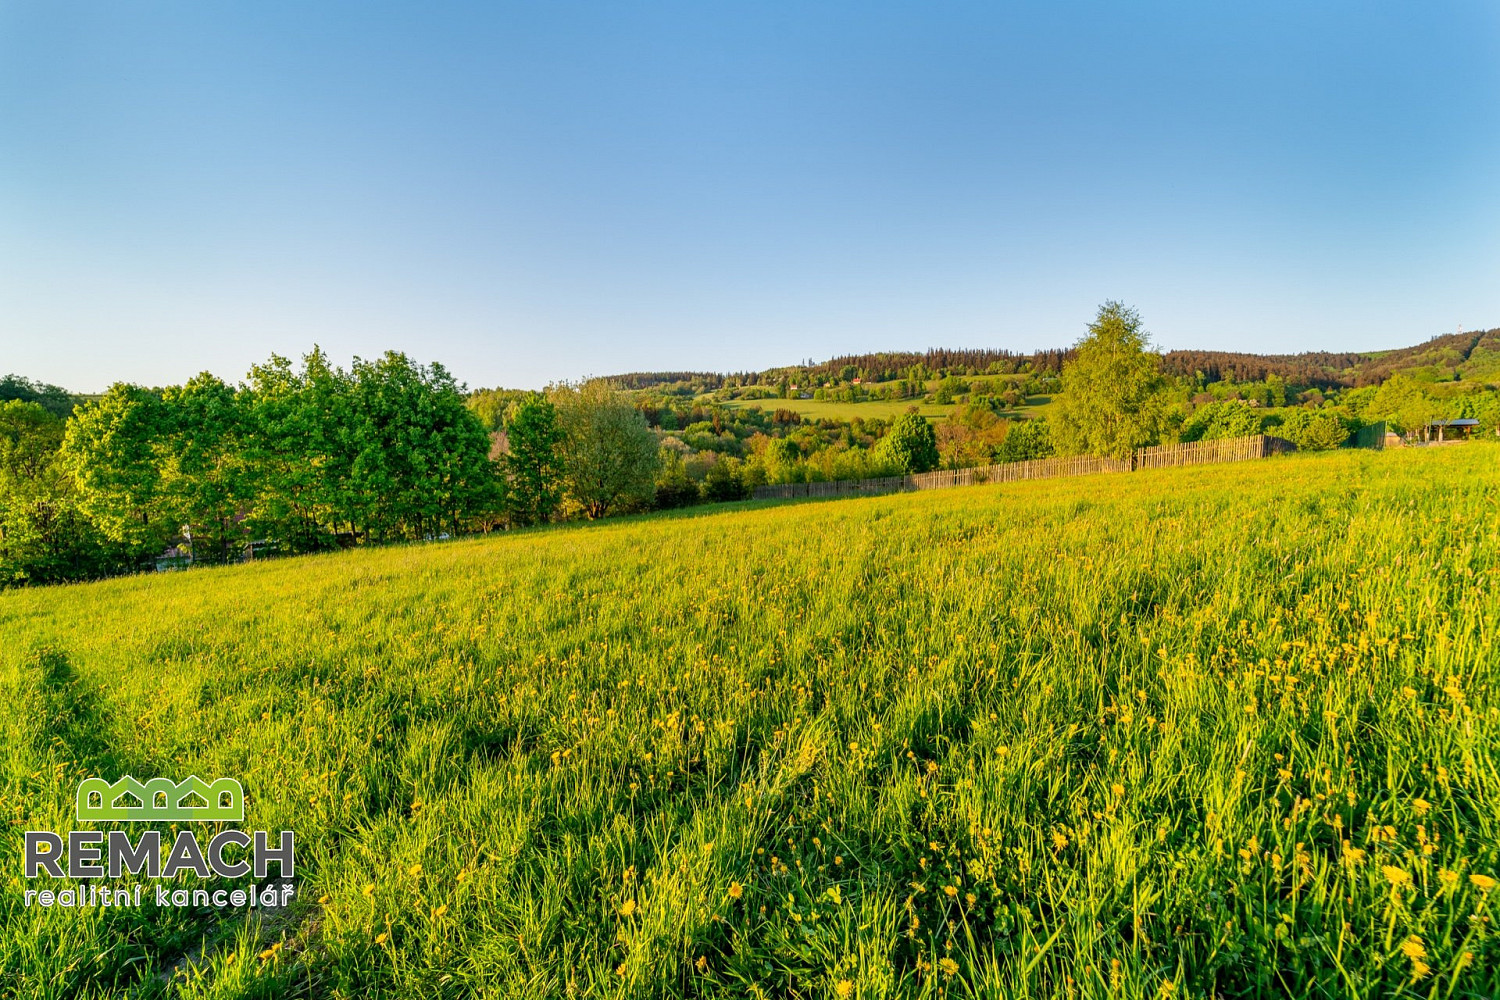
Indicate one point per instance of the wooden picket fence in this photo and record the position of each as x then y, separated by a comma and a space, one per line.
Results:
1164, 456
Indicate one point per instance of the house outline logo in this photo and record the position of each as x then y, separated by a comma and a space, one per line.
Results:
160, 800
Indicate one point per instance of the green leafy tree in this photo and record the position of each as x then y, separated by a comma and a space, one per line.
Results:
1315, 430
1230, 418
1109, 403
910, 446
532, 463
199, 457
295, 453
674, 487
110, 450
420, 455
608, 453
51, 398
724, 481
1406, 403
1025, 441
44, 537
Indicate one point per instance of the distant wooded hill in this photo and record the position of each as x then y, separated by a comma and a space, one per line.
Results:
1471, 356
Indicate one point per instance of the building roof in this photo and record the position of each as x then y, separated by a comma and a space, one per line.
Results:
1461, 422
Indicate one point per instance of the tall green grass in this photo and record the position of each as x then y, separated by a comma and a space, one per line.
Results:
1208, 732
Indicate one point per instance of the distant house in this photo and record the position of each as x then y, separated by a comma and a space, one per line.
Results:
1443, 431
176, 557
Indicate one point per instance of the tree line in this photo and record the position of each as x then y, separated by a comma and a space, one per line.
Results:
299, 458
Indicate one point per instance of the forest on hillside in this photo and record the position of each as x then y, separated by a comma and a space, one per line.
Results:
308, 457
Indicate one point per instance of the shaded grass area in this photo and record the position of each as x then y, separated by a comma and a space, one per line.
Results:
1225, 731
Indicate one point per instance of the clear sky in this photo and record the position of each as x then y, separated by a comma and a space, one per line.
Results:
530, 192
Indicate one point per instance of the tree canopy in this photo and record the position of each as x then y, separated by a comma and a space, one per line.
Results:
1109, 402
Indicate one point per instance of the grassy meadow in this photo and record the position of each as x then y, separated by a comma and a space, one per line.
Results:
1210, 732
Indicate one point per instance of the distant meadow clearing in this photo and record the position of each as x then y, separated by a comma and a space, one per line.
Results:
1222, 731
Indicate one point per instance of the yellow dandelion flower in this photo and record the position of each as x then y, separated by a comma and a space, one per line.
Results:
950, 890
382, 937
1059, 840
844, 988
414, 870
439, 911
736, 890
1413, 948
1419, 970
323, 900
835, 896
1482, 882
1118, 789
369, 889
1421, 806
1448, 877
1395, 876
971, 899
948, 966
627, 908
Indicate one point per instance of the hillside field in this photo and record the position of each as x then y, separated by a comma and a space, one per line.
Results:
1223, 731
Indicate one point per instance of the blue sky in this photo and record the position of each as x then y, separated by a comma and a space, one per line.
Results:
551, 190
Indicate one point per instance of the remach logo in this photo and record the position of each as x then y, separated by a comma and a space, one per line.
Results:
97, 854
130, 801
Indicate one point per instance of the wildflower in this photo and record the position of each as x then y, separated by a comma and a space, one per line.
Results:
702, 964
1395, 876
1059, 840
323, 900
1413, 948
1419, 970
414, 870
382, 937
838, 859
369, 889
1448, 877
1482, 882
950, 890
439, 911
844, 988
1353, 856
948, 966
1118, 789
971, 899
736, 890
835, 896
627, 908
1421, 806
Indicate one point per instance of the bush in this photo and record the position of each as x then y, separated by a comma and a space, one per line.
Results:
1025, 441
1231, 418
910, 446
1316, 430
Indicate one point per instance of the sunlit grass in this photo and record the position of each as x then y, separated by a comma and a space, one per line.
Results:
1224, 731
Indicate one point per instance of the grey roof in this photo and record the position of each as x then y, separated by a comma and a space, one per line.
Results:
1461, 422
